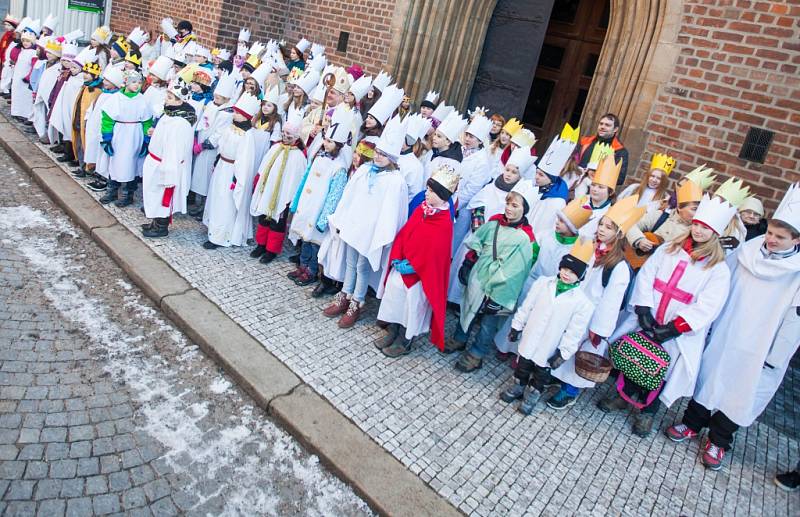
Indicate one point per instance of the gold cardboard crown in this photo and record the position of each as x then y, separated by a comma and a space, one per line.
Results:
123, 44
571, 134
577, 213
447, 177
733, 191
201, 76
607, 172
624, 213
512, 126
53, 45
583, 249
689, 192
253, 61
92, 68
664, 162
136, 59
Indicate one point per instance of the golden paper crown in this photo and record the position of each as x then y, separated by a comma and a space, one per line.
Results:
215, 51
569, 134
576, 214
343, 80
600, 151
689, 192
624, 213
187, 72
664, 162
447, 177
123, 44
253, 61
134, 58
733, 191
92, 68
607, 172
53, 45
512, 126
702, 176
583, 249
524, 138
202, 76
102, 34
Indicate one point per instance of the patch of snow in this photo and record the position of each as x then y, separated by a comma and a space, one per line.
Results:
219, 385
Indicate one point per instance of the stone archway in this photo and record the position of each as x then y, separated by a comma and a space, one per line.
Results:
439, 44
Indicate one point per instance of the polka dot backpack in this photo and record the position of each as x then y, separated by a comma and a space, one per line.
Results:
640, 359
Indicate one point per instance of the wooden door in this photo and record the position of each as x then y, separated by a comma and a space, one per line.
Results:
567, 62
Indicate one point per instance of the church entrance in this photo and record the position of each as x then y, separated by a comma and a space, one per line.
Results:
538, 60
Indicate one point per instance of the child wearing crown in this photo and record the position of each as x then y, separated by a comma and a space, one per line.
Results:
678, 294
549, 324
91, 90
750, 347
653, 189
601, 193
553, 190
415, 296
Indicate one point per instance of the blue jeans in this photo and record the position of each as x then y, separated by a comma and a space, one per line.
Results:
356, 276
308, 257
488, 325
570, 390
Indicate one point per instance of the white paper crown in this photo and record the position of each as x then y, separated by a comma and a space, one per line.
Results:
244, 35
248, 104
317, 49
789, 209
241, 49
521, 157
308, 81
480, 127
87, 55
161, 67
441, 112
277, 98
73, 35
528, 190
303, 45
381, 81
138, 36
318, 62
556, 156
392, 138
51, 22
390, 99
256, 49
452, 126
260, 74
716, 213
360, 86
114, 75
341, 124
432, 96
226, 86
417, 126
168, 28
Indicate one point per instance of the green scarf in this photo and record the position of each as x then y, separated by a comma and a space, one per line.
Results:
564, 239
562, 288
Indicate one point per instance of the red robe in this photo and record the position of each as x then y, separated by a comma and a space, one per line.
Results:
425, 241
5, 41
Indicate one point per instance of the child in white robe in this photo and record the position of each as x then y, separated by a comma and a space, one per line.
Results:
21, 94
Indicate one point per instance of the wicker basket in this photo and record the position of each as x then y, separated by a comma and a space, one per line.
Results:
592, 367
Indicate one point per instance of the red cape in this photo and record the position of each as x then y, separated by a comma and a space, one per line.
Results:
5, 41
426, 243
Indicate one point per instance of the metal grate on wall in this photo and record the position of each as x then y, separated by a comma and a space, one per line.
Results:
756, 145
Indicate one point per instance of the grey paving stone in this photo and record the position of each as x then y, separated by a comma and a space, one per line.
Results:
88, 467
34, 451
47, 489
72, 487
96, 485
52, 508
106, 504
20, 489
133, 498
79, 507
63, 469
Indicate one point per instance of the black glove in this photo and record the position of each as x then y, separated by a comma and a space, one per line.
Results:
491, 307
730, 242
465, 270
556, 360
663, 333
207, 145
646, 319
513, 335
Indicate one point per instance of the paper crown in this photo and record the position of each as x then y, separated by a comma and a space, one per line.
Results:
753, 204
187, 72
13, 20
317, 49
524, 138
134, 57
575, 214
789, 209
72, 35
303, 45
138, 36
482, 111
51, 22
277, 98
222, 53
522, 159
716, 213
247, 105
168, 28
92, 68
381, 81
528, 190
87, 55
392, 138
121, 45
308, 81
702, 176
607, 172
624, 213
343, 80
317, 63
512, 126
102, 35
583, 250
341, 124
559, 151
384, 107
360, 86
733, 191
664, 162
69, 51
180, 89
417, 127
244, 35
432, 96
599, 151
226, 86
689, 192
53, 46
260, 74
160, 67
202, 76
446, 176
253, 61
441, 112
452, 126
114, 75
480, 127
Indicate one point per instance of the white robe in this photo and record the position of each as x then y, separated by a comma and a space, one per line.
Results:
747, 337
646, 200
275, 189
171, 143
92, 152
155, 97
128, 113
248, 157
64, 107
549, 322
543, 214
406, 306
46, 83
475, 174
413, 172
21, 93
708, 289
210, 128
312, 199
8, 69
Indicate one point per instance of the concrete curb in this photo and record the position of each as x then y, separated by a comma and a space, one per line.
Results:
375, 475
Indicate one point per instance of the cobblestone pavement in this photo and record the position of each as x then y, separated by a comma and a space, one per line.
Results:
105, 407
451, 429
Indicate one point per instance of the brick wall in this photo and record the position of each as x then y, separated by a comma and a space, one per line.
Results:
204, 14
738, 68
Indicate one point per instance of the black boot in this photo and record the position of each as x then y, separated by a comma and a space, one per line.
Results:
160, 228
267, 257
198, 208
68, 155
112, 190
129, 189
58, 148
258, 251
210, 245
326, 286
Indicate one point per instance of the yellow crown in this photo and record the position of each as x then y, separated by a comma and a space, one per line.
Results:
702, 176
253, 61
689, 192
512, 126
187, 72
102, 33
524, 138
134, 58
447, 177
569, 134
664, 162
733, 191
583, 249
607, 172
53, 46
92, 68
600, 151
123, 44
576, 213
624, 213
215, 51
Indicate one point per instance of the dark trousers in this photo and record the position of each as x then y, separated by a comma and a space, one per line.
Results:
530, 373
720, 428
636, 392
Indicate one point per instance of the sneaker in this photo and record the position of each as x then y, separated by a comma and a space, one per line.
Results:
453, 345
526, 408
514, 392
338, 305
468, 363
612, 403
305, 278
643, 425
712, 455
789, 481
97, 185
679, 433
351, 316
561, 400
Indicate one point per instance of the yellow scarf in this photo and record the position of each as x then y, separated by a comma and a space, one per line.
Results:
262, 183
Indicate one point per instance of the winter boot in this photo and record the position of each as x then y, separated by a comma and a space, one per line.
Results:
294, 273
57, 148
386, 341
210, 245
305, 278
526, 408
325, 287
127, 195
352, 315
400, 347
643, 424
199, 207
612, 403
468, 363
160, 228
514, 392
258, 251
338, 305
112, 190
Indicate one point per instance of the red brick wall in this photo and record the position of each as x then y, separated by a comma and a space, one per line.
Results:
738, 68
147, 14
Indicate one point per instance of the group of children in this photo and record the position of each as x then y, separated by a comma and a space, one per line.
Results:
540, 256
